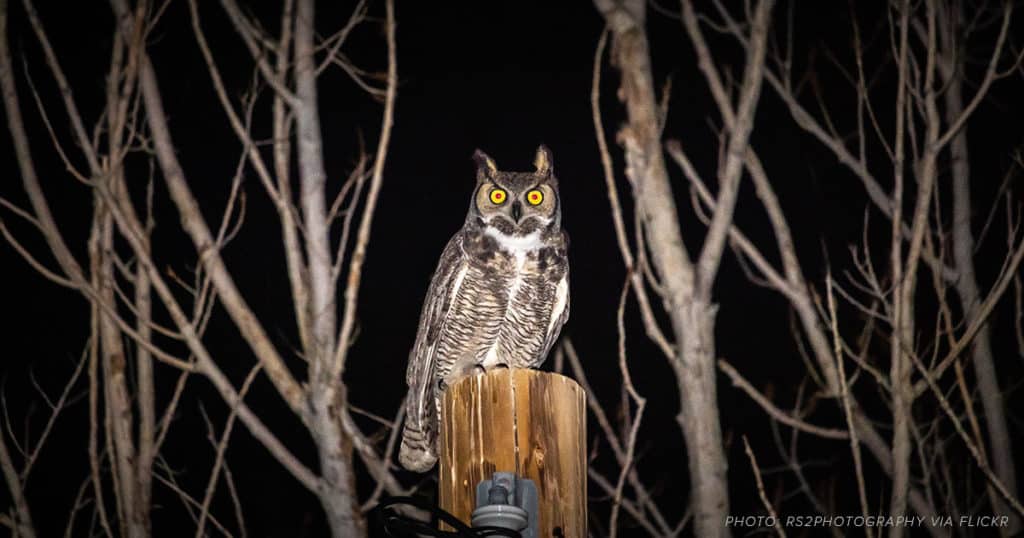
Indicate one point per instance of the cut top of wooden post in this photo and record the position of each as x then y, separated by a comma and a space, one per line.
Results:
528, 422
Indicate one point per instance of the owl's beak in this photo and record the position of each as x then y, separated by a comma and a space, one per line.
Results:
517, 211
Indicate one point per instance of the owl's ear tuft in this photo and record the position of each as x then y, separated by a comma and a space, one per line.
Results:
484, 164
542, 162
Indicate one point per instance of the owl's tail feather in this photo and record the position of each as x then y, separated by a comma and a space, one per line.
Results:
419, 440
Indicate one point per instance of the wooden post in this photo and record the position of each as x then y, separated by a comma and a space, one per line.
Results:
528, 422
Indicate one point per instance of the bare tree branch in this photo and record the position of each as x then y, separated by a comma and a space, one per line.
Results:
775, 412
22, 524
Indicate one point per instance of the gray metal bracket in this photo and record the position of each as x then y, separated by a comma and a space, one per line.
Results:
507, 501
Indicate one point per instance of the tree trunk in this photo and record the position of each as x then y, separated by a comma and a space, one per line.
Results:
338, 489
967, 289
698, 418
692, 314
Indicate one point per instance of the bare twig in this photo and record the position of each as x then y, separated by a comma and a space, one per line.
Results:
760, 489
775, 412
847, 407
366, 221
221, 448
654, 332
640, 403
23, 519
645, 500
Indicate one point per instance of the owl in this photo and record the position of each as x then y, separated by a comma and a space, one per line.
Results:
499, 296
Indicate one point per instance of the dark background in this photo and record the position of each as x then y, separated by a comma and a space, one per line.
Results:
503, 77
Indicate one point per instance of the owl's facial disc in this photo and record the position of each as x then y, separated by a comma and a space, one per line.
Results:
516, 205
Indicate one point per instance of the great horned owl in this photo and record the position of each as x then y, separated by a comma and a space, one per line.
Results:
499, 296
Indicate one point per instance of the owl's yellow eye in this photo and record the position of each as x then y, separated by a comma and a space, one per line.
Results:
535, 197
498, 196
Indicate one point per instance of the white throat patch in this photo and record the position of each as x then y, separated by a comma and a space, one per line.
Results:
516, 245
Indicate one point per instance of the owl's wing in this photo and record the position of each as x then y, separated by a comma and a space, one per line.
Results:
559, 312
417, 448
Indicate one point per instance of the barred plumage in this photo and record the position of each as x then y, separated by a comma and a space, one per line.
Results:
499, 296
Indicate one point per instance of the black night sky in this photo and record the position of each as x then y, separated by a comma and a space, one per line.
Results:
503, 77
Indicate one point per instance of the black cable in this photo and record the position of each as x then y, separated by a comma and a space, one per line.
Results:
396, 524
